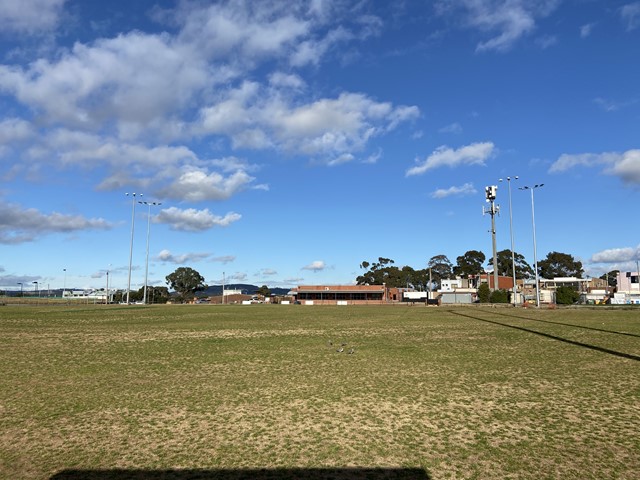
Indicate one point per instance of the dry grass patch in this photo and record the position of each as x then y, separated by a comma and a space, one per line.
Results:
208, 387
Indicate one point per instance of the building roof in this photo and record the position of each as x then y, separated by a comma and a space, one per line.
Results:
340, 288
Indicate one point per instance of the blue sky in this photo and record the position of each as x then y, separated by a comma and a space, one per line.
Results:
287, 144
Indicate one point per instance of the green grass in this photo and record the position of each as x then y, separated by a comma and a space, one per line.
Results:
461, 393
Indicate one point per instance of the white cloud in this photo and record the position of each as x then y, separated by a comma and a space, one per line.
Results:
267, 272
466, 189
616, 255
315, 266
474, 154
238, 277
507, 20
331, 128
630, 14
452, 128
293, 280
373, 158
192, 220
168, 257
122, 106
14, 130
134, 78
625, 166
585, 30
224, 259
32, 16
19, 225
546, 41
199, 185
284, 80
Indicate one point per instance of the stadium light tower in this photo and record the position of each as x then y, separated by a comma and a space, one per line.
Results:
146, 268
133, 216
513, 255
533, 223
490, 195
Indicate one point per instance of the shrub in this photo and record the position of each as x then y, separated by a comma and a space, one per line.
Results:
499, 296
566, 295
484, 293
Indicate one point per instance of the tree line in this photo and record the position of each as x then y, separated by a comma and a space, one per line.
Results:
471, 263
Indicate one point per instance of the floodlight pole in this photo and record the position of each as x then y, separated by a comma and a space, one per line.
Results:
146, 268
535, 254
490, 194
513, 255
133, 216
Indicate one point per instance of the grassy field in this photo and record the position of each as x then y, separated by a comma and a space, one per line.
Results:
220, 391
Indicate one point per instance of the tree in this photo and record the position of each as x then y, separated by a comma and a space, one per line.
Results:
185, 281
441, 268
611, 278
383, 271
560, 265
484, 293
380, 272
158, 294
566, 295
264, 291
523, 269
469, 264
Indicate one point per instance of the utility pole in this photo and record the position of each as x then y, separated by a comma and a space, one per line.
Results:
490, 195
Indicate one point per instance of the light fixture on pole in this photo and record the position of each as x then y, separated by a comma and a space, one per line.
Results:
37, 290
490, 195
106, 298
133, 216
513, 255
535, 254
223, 288
146, 268
21, 292
64, 289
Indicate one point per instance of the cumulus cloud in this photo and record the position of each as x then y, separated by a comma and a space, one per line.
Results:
330, 128
19, 225
625, 166
32, 17
630, 14
125, 107
616, 255
192, 220
168, 257
315, 266
199, 185
14, 130
463, 190
474, 154
506, 21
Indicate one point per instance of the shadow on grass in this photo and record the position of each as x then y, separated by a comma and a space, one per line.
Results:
614, 332
247, 474
553, 337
